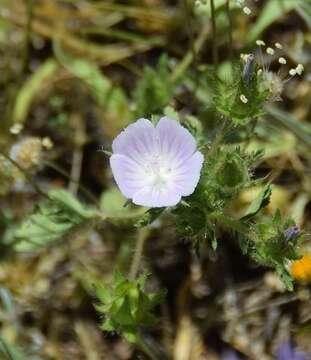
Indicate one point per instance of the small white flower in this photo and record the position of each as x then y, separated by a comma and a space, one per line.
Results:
259, 72
278, 46
244, 99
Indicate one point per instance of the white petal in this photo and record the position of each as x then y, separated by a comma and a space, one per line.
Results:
176, 142
136, 141
128, 174
152, 197
187, 175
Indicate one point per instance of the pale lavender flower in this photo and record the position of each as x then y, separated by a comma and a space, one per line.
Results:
156, 165
287, 352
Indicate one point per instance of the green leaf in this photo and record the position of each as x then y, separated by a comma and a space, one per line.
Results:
31, 88
129, 305
67, 200
261, 201
149, 217
51, 221
109, 97
171, 113
116, 206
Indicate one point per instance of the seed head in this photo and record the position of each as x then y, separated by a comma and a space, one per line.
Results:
27, 153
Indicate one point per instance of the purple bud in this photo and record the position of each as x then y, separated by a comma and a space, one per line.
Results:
248, 68
291, 233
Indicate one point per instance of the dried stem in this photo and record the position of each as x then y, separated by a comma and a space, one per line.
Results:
77, 157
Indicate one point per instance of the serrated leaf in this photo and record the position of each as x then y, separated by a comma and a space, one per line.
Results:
130, 306
51, 221
31, 88
66, 199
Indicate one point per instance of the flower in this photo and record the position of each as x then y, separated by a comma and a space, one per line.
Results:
156, 165
284, 352
287, 352
301, 269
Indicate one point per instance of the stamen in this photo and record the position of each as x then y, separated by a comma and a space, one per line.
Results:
270, 51
282, 61
247, 10
292, 72
260, 43
244, 99
299, 69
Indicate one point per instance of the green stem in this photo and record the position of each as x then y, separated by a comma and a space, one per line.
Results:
142, 236
214, 33
30, 8
6, 349
230, 36
146, 349
183, 65
219, 137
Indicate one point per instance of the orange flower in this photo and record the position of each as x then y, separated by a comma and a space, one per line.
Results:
301, 269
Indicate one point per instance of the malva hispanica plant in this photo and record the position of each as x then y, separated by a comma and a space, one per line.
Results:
168, 165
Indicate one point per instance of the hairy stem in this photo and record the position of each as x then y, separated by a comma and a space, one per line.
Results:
142, 236
220, 135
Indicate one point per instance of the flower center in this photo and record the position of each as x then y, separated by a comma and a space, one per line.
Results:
158, 172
